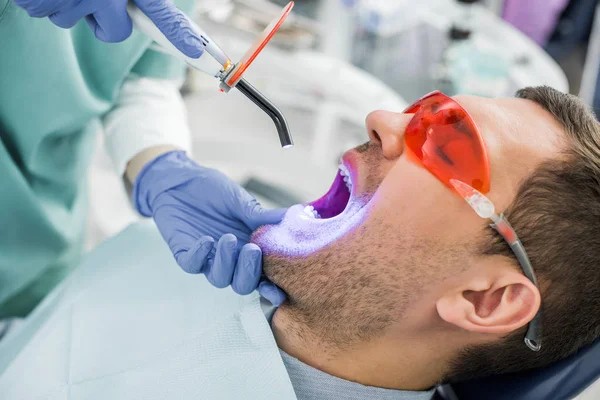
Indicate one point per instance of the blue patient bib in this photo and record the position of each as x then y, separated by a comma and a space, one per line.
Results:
122, 327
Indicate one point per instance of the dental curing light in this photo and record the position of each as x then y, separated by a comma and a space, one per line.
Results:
217, 64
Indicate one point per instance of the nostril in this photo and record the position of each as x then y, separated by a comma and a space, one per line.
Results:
375, 136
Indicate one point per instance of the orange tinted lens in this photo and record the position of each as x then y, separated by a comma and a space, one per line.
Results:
447, 142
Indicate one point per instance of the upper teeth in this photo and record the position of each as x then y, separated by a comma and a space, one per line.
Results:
347, 177
311, 212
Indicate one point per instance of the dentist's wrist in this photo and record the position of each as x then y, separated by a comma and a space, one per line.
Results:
160, 174
137, 163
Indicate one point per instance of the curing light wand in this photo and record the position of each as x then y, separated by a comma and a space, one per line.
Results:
261, 101
217, 64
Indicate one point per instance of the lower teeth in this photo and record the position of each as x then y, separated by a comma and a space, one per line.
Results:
311, 212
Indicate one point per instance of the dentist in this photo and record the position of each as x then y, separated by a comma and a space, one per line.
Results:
61, 87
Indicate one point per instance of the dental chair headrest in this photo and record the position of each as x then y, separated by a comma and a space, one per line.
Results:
560, 381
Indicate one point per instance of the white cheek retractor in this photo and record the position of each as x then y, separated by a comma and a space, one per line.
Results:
217, 64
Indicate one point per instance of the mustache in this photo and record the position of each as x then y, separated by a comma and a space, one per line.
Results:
363, 148
371, 156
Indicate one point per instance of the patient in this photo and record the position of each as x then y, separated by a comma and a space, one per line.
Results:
393, 281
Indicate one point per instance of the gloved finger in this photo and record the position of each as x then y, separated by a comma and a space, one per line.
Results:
271, 292
247, 270
255, 215
69, 17
174, 25
41, 9
221, 272
194, 258
113, 23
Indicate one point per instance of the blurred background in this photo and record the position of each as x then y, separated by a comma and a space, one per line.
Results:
334, 61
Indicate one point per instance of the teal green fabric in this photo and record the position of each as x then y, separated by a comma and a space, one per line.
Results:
55, 85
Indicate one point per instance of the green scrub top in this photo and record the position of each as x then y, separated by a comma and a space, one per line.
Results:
55, 85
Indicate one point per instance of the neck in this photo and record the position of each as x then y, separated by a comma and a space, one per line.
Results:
391, 363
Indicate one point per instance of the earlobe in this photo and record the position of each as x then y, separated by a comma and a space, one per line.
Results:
499, 304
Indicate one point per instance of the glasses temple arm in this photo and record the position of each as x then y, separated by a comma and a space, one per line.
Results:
503, 227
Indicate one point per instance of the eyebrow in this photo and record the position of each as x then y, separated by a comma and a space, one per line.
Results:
488, 113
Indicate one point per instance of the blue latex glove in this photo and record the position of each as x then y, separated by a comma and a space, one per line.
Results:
110, 22
195, 206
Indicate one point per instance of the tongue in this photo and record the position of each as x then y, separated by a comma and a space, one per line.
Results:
335, 200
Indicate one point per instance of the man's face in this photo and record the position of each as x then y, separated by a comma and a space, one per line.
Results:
395, 231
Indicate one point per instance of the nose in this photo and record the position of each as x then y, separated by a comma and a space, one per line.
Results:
386, 129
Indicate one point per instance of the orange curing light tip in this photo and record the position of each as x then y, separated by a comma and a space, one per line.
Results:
259, 44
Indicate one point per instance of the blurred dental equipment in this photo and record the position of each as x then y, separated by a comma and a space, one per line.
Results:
469, 66
219, 65
403, 42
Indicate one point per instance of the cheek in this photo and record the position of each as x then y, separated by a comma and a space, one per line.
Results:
408, 194
415, 203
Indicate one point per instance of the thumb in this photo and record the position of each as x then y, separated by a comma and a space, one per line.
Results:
111, 24
257, 215
174, 24
271, 292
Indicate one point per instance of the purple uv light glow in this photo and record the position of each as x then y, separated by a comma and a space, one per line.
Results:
300, 234
335, 200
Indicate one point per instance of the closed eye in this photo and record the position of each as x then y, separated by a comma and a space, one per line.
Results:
439, 151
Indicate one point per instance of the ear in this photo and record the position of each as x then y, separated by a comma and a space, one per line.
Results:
500, 300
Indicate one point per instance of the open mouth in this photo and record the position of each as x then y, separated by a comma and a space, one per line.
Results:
334, 202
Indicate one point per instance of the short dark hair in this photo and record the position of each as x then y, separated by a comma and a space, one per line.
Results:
556, 214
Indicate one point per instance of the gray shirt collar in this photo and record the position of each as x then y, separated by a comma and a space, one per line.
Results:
309, 384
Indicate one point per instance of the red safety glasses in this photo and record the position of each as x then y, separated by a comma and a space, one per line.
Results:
445, 140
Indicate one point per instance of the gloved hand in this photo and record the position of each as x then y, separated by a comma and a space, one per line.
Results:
110, 22
193, 207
